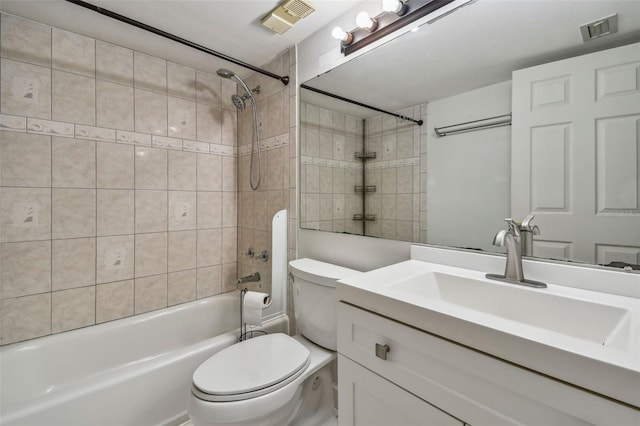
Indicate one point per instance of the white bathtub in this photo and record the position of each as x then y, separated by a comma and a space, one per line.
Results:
134, 371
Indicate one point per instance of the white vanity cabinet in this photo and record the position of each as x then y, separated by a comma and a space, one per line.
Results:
394, 374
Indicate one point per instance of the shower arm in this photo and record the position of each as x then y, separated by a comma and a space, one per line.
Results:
283, 79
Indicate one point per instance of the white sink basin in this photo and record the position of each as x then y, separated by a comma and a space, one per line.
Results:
599, 323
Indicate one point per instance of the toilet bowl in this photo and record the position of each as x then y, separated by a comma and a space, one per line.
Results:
261, 381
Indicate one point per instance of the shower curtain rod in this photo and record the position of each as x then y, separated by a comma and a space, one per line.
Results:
138, 24
322, 92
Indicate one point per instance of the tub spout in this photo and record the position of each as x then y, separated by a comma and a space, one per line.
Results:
249, 278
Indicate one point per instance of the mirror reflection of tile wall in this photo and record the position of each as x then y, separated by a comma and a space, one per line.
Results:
330, 172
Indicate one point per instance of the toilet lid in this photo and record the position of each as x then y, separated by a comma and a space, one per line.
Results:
251, 368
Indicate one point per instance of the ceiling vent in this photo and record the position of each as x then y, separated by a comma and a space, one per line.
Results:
600, 28
286, 14
299, 8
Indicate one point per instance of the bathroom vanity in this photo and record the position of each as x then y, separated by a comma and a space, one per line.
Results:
427, 343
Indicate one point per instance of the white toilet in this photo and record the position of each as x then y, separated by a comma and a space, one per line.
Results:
266, 380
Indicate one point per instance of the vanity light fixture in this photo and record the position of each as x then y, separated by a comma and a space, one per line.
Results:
396, 14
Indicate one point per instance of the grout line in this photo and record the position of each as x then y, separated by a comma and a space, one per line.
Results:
167, 232
51, 183
133, 278
95, 238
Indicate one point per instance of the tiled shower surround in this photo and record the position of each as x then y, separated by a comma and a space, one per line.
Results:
277, 128
329, 172
118, 181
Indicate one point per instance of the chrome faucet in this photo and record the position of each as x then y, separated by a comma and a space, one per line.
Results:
513, 273
249, 278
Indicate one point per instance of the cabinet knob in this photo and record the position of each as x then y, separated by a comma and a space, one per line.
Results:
382, 351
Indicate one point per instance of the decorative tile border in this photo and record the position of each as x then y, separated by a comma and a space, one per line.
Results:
375, 165
195, 146
53, 128
95, 133
267, 144
165, 142
133, 138
223, 149
324, 162
15, 123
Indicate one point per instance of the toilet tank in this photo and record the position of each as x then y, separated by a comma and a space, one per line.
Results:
314, 299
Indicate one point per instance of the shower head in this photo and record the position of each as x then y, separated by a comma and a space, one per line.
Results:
238, 100
225, 73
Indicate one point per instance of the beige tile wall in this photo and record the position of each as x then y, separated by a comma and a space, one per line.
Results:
277, 128
117, 181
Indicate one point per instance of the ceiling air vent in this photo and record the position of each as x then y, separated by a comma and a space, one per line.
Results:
600, 28
286, 14
299, 8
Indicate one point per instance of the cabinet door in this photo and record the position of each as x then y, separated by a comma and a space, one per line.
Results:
366, 399
575, 155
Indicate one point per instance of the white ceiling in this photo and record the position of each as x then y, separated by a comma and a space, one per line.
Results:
231, 27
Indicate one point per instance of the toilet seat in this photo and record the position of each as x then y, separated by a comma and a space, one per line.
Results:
250, 368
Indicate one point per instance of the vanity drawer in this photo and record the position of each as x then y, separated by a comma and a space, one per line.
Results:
366, 399
474, 387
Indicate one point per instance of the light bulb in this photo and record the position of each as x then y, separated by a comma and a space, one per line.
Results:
342, 35
394, 6
398, 7
364, 21
339, 34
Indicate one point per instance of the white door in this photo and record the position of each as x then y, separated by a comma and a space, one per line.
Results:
575, 155
366, 399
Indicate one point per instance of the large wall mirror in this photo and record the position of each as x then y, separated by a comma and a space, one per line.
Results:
543, 134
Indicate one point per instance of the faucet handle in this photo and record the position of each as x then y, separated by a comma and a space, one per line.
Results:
526, 222
512, 227
526, 225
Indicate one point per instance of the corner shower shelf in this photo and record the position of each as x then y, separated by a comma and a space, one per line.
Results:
366, 155
369, 217
368, 188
